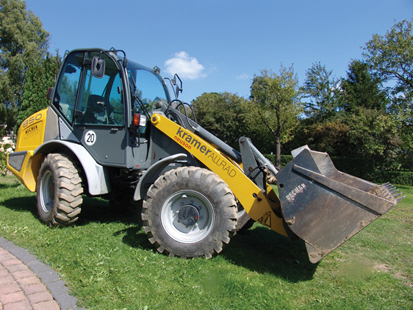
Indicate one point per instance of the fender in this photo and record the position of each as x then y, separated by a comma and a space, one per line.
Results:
153, 172
97, 176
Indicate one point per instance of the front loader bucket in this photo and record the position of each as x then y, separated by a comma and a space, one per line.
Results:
326, 207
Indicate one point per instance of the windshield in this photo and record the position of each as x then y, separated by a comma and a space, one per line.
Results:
150, 87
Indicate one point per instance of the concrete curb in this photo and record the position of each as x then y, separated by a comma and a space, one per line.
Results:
47, 275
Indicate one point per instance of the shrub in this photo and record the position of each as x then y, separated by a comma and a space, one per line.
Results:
360, 167
6, 146
395, 177
285, 159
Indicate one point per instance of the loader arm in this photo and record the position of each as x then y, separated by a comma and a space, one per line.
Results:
316, 203
259, 205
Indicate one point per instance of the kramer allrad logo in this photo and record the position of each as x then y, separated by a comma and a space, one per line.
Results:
189, 142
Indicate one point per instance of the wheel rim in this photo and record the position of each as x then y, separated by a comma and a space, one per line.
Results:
193, 207
47, 192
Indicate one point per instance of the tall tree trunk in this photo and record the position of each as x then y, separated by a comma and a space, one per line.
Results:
278, 152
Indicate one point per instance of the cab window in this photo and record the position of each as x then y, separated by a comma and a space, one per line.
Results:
65, 94
100, 100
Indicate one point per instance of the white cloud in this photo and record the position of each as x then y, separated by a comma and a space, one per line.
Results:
242, 77
186, 67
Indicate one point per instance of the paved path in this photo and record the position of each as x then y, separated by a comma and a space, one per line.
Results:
28, 284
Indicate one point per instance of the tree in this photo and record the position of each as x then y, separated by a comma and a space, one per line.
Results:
275, 103
360, 89
39, 78
321, 89
223, 115
374, 134
326, 135
23, 42
390, 57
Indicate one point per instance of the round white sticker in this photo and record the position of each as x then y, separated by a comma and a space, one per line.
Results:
90, 137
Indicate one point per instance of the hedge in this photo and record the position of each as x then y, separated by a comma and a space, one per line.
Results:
360, 167
285, 159
394, 177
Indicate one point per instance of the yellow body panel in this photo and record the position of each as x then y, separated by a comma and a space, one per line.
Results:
254, 201
29, 137
30, 168
31, 132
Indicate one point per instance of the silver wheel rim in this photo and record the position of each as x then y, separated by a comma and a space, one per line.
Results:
46, 192
180, 232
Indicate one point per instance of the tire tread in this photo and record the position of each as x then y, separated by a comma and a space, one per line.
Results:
202, 177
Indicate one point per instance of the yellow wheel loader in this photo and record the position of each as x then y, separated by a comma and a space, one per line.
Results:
112, 130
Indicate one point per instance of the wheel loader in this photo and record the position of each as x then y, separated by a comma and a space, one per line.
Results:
112, 130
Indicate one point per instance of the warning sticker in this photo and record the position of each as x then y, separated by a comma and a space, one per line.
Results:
265, 219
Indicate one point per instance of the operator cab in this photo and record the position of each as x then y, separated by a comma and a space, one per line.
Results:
105, 103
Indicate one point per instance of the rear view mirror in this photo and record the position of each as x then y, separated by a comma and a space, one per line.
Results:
98, 67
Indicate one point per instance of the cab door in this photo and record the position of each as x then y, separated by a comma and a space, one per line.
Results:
97, 115
99, 121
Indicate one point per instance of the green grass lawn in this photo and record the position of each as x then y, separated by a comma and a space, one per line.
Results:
107, 262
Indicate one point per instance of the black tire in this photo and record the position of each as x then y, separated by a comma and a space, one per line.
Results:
59, 191
189, 212
244, 221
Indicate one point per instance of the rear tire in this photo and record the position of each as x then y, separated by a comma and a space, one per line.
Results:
59, 191
189, 212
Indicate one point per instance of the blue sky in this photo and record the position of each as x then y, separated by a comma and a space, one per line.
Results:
219, 46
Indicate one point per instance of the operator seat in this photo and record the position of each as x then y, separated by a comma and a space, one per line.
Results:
98, 110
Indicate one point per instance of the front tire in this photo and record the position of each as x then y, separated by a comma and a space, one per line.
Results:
244, 221
59, 191
189, 212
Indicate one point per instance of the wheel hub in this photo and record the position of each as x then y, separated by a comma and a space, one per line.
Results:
188, 215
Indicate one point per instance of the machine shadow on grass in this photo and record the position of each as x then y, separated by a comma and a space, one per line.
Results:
99, 211
258, 249
262, 250
22, 204
93, 210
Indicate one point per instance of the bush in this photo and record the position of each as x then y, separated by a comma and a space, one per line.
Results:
285, 159
6, 146
394, 177
360, 167
363, 168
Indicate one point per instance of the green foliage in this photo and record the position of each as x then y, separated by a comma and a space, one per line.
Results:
285, 159
23, 42
8, 117
6, 146
390, 58
394, 177
222, 114
275, 105
3, 163
373, 134
359, 89
360, 167
321, 90
39, 78
326, 135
